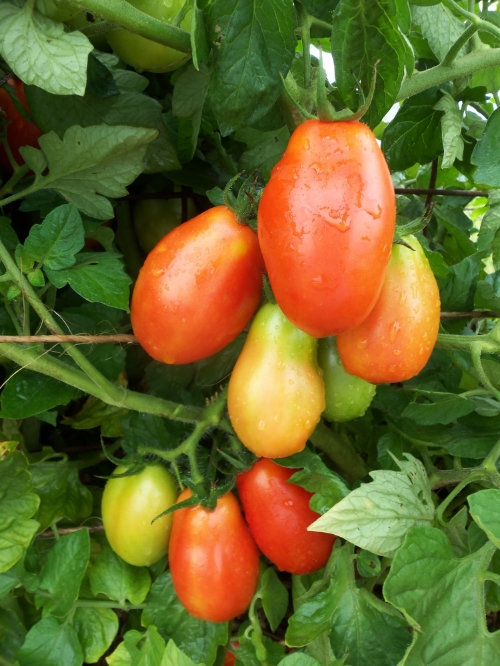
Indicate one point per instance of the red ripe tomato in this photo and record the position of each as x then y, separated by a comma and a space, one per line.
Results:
198, 288
20, 132
278, 515
326, 223
213, 559
229, 659
396, 340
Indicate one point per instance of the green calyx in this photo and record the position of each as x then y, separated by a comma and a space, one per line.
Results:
246, 203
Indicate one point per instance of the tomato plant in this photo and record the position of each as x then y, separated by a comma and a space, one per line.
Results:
396, 340
213, 560
276, 394
143, 53
19, 131
198, 288
247, 122
278, 515
129, 505
155, 218
326, 222
346, 396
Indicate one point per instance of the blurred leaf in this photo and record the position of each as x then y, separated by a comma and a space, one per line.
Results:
457, 292
96, 629
451, 129
49, 643
112, 576
274, 596
444, 408
63, 571
484, 508
18, 504
264, 149
485, 156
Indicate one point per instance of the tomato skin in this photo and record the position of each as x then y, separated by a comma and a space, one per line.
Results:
198, 288
155, 218
213, 559
326, 222
276, 394
346, 396
143, 53
20, 132
396, 340
129, 504
278, 515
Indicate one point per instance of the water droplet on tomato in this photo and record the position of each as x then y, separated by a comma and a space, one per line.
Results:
362, 344
291, 382
394, 329
157, 272
261, 425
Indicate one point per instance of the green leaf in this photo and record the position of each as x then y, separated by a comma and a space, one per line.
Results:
197, 639
254, 46
190, 91
155, 430
49, 643
439, 27
40, 52
61, 492
63, 571
175, 657
376, 516
298, 659
27, 393
18, 504
487, 296
317, 478
444, 408
274, 596
451, 128
490, 222
112, 576
457, 292
130, 108
485, 509
99, 277
368, 564
364, 32
96, 629
264, 149
127, 653
485, 154
199, 40
362, 628
414, 135
442, 597
12, 630
55, 242
92, 163
7, 234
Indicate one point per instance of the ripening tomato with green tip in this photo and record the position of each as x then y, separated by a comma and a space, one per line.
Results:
396, 340
326, 222
129, 505
198, 288
276, 393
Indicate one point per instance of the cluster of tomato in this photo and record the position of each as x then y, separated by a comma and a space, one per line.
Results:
326, 223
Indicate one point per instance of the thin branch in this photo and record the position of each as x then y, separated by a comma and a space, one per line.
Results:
479, 314
49, 534
79, 339
432, 186
444, 193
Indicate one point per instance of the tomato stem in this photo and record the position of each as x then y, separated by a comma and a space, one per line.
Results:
340, 451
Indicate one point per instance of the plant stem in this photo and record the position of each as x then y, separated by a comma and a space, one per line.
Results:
340, 450
490, 462
436, 76
476, 475
126, 240
459, 44
127, 16
19, 173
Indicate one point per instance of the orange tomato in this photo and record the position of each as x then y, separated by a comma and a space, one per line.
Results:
396, 340
198, 288
326, 224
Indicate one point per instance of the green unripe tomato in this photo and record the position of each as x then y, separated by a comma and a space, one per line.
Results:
80, 21
57, 10
143, 53
129, 504
346, 396
155, 218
